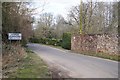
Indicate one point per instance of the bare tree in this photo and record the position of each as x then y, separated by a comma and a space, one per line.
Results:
16, 18
97, 17
47, 19
44, 27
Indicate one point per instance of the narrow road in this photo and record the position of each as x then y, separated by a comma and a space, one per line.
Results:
77, 65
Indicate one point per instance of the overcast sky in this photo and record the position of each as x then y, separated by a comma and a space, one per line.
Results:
57, 7
61, 6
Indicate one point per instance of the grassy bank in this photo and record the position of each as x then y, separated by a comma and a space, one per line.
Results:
105, 56
115, 57
31, 67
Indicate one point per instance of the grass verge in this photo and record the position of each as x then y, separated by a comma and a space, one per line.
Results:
31, 67
115, 57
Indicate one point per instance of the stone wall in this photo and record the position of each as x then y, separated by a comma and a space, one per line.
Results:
95, 43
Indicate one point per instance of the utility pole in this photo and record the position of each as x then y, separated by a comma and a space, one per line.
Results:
91, 7
81, 17
91, 16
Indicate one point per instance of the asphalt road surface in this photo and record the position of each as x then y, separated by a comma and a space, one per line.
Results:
76, 65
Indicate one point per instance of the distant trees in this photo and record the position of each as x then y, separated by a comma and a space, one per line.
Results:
46, 19
44, 27
97, 18
61, 26
50, 26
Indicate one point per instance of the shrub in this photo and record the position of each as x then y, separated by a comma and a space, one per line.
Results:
53, 41
66, 41
59, 42
34, 40
43, 40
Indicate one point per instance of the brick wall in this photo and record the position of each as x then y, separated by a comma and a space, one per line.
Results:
95, 43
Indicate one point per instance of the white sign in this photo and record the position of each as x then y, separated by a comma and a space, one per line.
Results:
74, 37
14, 36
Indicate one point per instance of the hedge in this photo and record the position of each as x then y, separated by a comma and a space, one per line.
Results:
66, 41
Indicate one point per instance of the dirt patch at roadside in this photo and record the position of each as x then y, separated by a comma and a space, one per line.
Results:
57, 72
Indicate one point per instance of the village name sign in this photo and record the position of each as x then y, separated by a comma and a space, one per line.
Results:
14, 36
